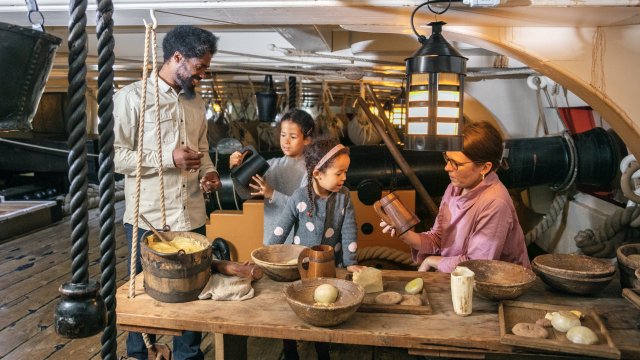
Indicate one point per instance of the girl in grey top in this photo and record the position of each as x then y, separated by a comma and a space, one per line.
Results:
322, 212
285, 174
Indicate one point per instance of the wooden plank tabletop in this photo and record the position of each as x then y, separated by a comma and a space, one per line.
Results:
269, 315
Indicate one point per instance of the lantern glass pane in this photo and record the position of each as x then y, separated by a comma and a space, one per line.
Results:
419, 96
419, 79
419, 112
448, 79
448, 95
418, 128
398, 116
447, 112
446, 128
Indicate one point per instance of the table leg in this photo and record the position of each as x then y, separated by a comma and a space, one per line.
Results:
231, 347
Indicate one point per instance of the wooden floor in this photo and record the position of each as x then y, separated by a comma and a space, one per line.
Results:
32, 268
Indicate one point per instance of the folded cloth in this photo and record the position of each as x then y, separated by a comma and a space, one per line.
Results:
225, 287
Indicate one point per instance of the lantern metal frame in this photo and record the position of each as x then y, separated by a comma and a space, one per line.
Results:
435, 86
401, 103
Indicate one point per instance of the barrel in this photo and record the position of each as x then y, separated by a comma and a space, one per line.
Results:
177, 277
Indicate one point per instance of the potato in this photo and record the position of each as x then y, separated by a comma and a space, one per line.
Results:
326, 294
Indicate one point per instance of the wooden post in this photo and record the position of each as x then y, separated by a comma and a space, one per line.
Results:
383, 116
417, 185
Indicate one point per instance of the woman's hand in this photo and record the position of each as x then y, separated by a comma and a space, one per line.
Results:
263, 188
236, 159
424, 267
388, 229
354, 268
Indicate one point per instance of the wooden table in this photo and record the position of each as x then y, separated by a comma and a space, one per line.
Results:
440, 334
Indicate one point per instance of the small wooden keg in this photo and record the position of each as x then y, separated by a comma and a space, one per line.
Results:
177, 277
394, 212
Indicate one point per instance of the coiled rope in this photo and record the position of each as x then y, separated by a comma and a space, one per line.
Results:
385, 253
618, 229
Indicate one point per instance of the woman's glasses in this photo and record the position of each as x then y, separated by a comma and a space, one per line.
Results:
453, 163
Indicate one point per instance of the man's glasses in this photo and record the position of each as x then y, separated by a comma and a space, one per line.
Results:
453, 163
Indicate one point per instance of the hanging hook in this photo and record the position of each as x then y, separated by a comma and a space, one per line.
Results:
153, 17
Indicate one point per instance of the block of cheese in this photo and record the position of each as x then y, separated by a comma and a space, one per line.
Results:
369, 278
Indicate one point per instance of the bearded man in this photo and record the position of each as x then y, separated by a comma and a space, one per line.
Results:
187, 168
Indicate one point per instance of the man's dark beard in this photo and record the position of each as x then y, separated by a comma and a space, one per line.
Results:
185, 84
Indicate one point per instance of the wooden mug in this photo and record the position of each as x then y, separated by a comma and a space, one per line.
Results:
321, 262
395, 213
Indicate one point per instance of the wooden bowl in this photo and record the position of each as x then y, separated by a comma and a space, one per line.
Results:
499, 280
300, 298
572, 285
272, 259
627, 266
574, 266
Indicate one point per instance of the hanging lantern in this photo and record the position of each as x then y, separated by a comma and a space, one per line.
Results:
435, 79
400, 109
267, 101
216, 106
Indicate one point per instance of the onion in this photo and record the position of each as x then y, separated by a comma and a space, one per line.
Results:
582, 335
565, 320
326, 294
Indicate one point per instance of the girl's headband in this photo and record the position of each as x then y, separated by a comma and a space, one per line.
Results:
329, 155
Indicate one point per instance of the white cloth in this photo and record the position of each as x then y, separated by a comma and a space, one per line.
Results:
225, 287
182, 123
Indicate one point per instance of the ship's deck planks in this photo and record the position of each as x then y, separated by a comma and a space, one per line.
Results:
32, 268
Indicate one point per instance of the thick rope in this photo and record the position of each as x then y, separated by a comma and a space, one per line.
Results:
136, 207
106, 173
541, 119
298, 93
384, 253
158, 130
620, 228
77, 158
548, 220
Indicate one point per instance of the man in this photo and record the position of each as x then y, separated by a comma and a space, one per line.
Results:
185, 159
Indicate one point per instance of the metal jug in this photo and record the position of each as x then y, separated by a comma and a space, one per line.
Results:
26, 58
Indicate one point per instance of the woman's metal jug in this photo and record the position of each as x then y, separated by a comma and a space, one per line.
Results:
243, 174
26, 58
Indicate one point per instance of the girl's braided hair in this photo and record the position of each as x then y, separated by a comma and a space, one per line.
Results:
301, 118
313, 153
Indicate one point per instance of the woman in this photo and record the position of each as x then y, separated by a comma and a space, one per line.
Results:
476, 219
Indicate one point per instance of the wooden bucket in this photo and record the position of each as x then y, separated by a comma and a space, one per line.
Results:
177, 277
394, 212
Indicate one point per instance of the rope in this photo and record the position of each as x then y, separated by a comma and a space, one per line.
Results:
298, 93
385, 253
106, 173
548, 220
77, 158
40, 147
541, 119
136, 207
292, 92
294, 52
573, 165
620, 228
158, 130
282, 68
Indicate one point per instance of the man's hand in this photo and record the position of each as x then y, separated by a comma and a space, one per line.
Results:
187, 159
210, 182
236, 158
262, 188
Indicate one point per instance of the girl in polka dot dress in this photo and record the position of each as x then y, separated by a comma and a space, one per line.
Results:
322, 212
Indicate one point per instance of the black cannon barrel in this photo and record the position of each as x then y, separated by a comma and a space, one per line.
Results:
532, 162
